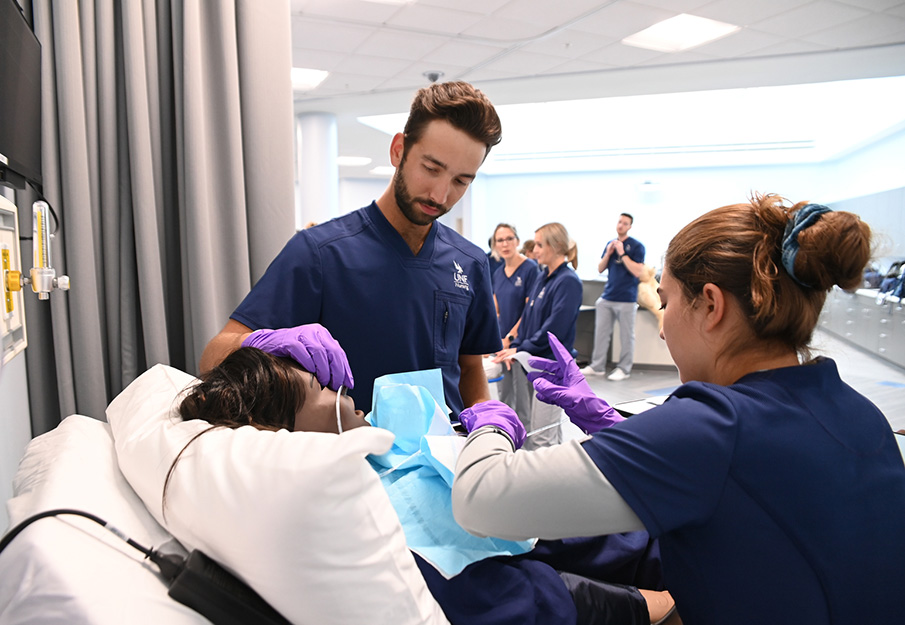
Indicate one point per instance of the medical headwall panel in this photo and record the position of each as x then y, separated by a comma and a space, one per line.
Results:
12, 313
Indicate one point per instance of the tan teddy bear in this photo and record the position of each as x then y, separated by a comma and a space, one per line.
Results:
647, 292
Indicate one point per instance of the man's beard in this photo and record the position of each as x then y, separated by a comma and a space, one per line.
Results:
406, 202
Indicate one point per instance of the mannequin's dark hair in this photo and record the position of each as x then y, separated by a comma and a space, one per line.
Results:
249, 387
739, 249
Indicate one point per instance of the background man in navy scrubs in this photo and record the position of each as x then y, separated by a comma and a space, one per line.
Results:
623, 258
398, 290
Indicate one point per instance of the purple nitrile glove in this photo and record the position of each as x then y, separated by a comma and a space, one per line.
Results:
560, 382
493, 412
563, 371
310, 345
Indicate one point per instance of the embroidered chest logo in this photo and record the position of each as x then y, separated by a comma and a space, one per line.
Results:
518, 281
539, 296
459, 277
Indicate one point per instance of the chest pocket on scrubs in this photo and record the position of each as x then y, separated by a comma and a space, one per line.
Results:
450, 310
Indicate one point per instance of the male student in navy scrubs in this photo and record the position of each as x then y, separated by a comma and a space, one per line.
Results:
397, 289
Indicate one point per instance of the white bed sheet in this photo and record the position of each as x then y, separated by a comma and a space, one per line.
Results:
70, 570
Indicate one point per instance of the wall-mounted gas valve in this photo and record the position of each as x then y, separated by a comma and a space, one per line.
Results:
42, 277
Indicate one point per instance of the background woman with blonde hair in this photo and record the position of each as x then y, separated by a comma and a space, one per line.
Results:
777, 491
552, 308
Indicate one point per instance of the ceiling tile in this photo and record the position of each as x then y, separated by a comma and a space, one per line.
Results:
317, 59
578, 67
810, 18
549, 14
621, 55
359, 10
406, 82
788, 47
488, 73
690, 56
391, 44
569, 44
318, 35
457, 52
357, 83
413, 74
621, 19
484, 7
740, 43
745, 12
503, 30
430, 19
524, 63
874, 5
371, 65
869, 30
376, 50
896, 10
683, 6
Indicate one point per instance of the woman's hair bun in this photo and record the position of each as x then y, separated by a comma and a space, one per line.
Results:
832, 251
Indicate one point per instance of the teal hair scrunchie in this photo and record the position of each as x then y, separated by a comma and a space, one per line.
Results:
801, 220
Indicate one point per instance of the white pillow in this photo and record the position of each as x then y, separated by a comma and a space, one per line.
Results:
299, 516
68, 569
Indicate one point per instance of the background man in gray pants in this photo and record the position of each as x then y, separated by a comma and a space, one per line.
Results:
623, 259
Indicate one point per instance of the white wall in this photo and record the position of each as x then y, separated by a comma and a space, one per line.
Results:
357, 192
878, 167
589, 203
15, 427
15, 417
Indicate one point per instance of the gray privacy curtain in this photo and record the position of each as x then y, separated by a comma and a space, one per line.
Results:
167, 137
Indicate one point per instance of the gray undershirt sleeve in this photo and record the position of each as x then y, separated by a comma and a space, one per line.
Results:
552, 492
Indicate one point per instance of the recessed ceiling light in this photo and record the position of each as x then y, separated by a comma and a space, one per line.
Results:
681, 32
352, 161
304, 79
383, 170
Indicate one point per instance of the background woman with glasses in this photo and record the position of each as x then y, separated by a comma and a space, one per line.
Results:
512, 282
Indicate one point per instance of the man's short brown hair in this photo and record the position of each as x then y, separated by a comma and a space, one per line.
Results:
458, 103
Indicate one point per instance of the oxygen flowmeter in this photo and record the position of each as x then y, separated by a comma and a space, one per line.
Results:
43, 277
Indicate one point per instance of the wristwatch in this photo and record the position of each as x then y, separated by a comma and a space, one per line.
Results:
511, 337
622, 255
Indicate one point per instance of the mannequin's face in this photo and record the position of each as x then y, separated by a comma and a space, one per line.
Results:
319, 412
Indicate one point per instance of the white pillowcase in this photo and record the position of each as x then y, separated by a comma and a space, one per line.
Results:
299, 516
68, 570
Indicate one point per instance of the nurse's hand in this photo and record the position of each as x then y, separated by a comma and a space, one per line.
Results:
310, 345
561, 383
497, 414
563, 371
505, 356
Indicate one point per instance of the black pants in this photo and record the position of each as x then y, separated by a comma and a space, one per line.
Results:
582, 581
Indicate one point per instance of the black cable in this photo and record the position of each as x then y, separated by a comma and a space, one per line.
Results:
169, 565
196, 581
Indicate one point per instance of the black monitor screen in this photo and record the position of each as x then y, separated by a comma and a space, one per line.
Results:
20, 94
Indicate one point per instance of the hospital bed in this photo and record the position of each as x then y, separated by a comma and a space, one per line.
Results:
320, 548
